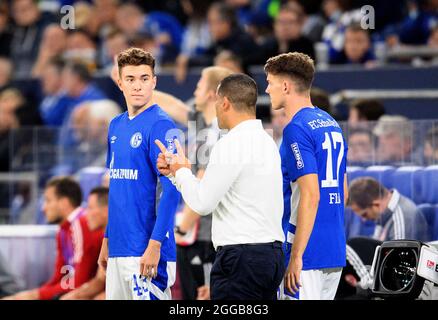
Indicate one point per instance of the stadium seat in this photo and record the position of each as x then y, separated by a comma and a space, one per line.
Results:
357, 227
429, 185
354, 172
383, 174
89, 178
407, 180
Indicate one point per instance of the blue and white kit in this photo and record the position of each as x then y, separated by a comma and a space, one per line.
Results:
313, 144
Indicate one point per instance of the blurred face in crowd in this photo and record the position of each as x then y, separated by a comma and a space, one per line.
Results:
5, 71
392, 146
276, 90
79, 41
51, 80
52, 205
97, 214
279, 121
353, 118
203, 93
80, 122
25, 12
287, 26
433, 39
219, 28
357, 43
70, 81
54, 39
137, 84
116, 44
360, 147
10, 100
430, 154
129, 19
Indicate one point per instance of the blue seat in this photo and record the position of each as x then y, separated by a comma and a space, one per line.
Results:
429, 185
354, 172
357, 227
407, 180
89, 178
383, 174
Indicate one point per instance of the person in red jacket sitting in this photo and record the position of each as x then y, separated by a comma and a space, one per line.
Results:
77, 246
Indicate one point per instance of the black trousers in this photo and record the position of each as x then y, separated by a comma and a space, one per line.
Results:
192, 263
247, 272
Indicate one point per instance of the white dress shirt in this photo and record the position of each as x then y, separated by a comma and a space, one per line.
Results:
242, 187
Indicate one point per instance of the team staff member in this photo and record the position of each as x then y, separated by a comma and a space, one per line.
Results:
313, 154
242, 186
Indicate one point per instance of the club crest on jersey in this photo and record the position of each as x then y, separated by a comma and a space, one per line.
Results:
297, 154
136, 140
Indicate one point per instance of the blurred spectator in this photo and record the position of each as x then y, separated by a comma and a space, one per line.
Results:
28, 30
313, 24
433, 38
421, 19
396, 216
430, 150
5, 72
196, 38
360, 147
5, 30
55, 103
229, 60
81, 48
53, 44
147, 42
76, 81
115, 42
364, 110
78, 246
226, 35
103, 17
8, 282
357, 47
394, 144
89, 122
165, 29
97, 218
288, 27
321, 99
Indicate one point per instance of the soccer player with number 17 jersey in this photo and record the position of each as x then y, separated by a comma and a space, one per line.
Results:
139, 249
313, 156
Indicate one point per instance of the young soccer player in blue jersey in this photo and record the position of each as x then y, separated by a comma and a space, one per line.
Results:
139, 247
313, 155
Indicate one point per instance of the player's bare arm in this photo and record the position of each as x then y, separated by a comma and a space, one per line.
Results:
307, 209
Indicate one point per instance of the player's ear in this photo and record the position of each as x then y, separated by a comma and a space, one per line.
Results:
226, 105
154, 80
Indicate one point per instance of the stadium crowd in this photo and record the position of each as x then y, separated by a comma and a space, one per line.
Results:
237, 35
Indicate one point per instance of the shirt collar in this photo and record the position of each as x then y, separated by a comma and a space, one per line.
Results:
75, 214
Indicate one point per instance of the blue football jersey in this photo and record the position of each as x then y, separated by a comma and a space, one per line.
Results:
134, 217
313, 144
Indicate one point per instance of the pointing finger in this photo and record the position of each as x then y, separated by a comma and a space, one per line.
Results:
161, 146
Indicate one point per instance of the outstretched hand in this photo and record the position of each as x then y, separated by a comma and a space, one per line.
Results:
169, 163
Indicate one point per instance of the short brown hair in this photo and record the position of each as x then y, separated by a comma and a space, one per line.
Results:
66, 187
101, 194
241, 90
135, 57
298, 66
363, 191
